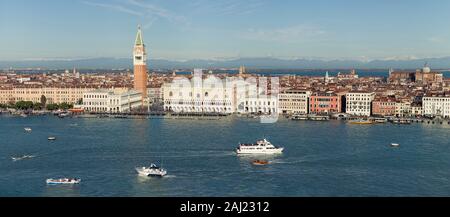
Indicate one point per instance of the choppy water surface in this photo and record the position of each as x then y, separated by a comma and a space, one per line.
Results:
320, 159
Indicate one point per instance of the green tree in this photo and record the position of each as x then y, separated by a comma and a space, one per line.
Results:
43, 100
37, 106
52, 106
24, 105
65, 106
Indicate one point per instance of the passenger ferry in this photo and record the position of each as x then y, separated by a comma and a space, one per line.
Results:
153, 170
260, 147
63, 181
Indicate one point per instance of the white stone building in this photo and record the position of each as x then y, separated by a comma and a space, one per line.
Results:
436, 106
198, 95
106, 101
213, 95
359, 103
293, 102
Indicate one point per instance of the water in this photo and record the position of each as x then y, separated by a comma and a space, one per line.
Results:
321, 158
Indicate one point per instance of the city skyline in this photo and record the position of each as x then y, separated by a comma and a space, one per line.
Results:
177, 30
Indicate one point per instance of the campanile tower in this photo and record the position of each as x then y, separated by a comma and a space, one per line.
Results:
140, 65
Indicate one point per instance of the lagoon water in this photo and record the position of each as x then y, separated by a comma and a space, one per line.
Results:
321, 158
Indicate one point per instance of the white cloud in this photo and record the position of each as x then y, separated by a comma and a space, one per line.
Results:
116, 7
289, 34
147, 11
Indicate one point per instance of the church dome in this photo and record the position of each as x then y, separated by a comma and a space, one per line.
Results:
426, 69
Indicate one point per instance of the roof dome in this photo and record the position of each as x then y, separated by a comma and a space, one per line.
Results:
426, 69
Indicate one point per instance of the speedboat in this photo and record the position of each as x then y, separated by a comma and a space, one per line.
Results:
51, 138
260, 162
260, 147
395, 144
153, 170
22, 157
27, 129
63, 181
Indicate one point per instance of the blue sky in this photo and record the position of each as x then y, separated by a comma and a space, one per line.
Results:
212, 29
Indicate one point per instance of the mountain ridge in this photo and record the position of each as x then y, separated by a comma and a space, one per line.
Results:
249, 62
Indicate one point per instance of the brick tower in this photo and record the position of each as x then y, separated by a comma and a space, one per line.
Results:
140, 65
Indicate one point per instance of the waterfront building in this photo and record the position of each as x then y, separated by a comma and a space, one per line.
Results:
436, 106
416, 109
106, 101
402, 109
261, 105
324, 103
384, 106
293, 102
198, 95
359, 103
52, 94
140, 65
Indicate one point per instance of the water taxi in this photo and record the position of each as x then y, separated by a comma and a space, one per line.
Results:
260, 162
260, 147
63, 181
361, 122
153, 170
395, 144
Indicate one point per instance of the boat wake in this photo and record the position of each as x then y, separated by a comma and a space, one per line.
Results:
22, 157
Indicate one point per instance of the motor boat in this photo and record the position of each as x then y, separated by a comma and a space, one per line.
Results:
27, 129
395, 144
260, 162
51, 138
153, 170
361, 122
260, 147
63, 181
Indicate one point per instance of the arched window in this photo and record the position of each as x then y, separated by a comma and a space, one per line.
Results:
170, 93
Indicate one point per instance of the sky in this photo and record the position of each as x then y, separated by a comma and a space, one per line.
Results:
225, 29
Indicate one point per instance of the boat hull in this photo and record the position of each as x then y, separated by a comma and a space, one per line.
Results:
259, 152
58, 182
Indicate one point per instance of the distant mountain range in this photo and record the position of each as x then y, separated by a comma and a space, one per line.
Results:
253, 63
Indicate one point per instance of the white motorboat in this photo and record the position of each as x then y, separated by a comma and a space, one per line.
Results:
22, 157
51, 138
63, 181
395, 144
27, 129
153, 170
260, 147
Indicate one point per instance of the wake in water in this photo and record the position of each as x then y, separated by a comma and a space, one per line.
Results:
24, 157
